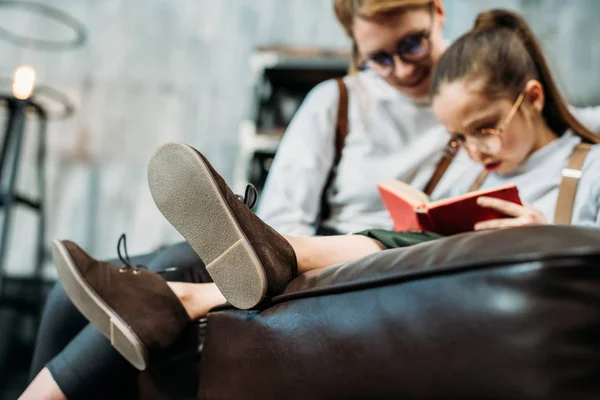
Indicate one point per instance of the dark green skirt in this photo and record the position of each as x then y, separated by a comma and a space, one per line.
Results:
393, 240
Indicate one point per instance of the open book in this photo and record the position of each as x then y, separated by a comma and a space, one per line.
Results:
411, 209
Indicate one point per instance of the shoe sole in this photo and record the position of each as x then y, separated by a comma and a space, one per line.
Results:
187, 194
104, 318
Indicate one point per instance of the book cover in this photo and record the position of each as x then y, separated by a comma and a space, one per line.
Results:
411, 209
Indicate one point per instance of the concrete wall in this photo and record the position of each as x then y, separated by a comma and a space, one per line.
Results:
152, 71
568, 31
160, 70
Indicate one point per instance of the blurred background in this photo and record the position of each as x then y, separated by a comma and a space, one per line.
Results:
117, 78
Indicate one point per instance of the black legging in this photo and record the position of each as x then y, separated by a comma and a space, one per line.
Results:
80, 359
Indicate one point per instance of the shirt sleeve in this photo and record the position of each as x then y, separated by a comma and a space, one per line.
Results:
290, 201
589, 116
590, 183
588, 190
589, 215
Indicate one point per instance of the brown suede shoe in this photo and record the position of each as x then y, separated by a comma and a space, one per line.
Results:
135, 309
246, 258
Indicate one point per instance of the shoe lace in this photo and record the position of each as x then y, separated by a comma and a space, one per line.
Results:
250, 196
127, 264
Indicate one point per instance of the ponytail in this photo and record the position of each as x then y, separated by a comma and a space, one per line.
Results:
502, 48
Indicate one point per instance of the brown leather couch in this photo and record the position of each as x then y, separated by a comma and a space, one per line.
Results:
508, 314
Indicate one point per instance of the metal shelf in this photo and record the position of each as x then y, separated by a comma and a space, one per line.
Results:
281, 75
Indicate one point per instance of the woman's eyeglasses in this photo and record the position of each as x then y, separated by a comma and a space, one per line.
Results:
411, 49
488, 140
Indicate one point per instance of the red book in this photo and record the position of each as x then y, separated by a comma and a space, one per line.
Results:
411, 209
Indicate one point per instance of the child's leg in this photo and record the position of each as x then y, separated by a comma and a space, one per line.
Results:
311, 253
322, 251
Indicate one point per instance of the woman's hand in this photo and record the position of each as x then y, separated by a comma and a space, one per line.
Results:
517, 215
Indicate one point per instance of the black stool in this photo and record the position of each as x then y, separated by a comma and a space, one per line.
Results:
10, 158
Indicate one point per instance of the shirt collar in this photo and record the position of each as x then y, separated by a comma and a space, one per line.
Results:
378, 89
566, 141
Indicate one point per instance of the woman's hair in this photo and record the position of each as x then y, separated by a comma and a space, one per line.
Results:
347, 10
502, 50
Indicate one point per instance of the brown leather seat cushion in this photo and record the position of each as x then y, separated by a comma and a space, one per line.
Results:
504, 314
477, 250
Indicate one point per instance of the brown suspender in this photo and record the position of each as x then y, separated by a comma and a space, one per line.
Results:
478, 181
341, 130
341, 126
440, 169
568, 186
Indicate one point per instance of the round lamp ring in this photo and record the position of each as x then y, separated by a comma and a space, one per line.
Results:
50, 13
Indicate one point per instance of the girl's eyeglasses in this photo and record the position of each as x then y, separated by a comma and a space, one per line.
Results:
488, 140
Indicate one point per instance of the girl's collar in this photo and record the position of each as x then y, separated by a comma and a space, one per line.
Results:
540, 156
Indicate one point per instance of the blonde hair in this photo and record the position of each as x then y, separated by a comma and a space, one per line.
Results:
347, 10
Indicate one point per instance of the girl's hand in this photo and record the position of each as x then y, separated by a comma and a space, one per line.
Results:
517, 215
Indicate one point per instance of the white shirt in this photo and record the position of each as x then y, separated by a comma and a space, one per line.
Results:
389, 137
539, 177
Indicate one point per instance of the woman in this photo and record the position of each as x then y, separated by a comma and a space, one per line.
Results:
391, 134
492, 89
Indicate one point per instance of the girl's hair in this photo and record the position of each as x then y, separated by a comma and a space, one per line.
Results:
502, 49
347, 10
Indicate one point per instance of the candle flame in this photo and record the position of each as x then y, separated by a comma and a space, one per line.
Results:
23, 82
